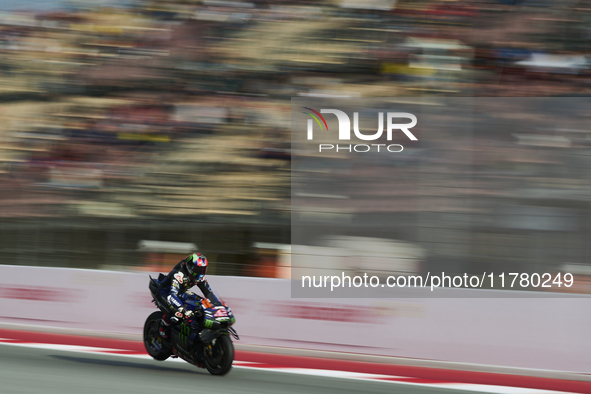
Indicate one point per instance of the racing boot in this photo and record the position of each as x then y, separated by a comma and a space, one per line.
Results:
164, 329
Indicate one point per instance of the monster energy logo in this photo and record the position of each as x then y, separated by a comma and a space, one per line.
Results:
184, 335
208, 324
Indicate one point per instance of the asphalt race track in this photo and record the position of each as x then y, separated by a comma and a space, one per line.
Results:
36, 370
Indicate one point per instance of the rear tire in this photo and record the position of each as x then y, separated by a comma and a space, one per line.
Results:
219, 362
154, 344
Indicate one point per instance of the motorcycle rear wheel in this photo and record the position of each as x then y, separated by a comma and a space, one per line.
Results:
154, 344
219, 358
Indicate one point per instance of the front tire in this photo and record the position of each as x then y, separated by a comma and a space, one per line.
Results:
219, 358
154, 344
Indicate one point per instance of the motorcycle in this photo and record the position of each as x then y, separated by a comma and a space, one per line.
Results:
203, 339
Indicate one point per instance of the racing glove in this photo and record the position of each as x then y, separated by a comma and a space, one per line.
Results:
183, 313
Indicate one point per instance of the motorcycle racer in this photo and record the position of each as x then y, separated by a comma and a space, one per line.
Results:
174, 288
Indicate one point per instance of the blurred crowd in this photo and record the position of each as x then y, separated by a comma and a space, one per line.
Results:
170, 120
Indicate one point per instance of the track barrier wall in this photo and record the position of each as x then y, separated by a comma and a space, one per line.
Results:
536, 333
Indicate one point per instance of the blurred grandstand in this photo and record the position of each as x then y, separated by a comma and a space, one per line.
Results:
170, 121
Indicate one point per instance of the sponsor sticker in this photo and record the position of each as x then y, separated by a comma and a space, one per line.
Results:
221, 313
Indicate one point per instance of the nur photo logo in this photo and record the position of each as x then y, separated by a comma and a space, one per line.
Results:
344, 130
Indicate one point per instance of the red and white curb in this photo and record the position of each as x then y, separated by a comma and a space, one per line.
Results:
272, 363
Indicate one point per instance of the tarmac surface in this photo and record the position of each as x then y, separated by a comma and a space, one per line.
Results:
35, 361
37, 370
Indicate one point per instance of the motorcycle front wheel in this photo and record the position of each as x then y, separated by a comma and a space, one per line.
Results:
219, 355
154, 344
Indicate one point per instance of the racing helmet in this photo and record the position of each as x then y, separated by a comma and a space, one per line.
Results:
196, 265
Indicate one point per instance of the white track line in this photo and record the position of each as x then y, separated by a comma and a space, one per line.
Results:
301, 371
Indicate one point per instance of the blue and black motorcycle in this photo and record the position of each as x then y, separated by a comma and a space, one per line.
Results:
202, 340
